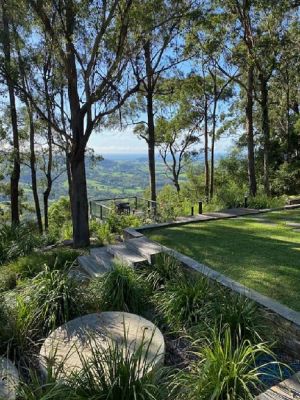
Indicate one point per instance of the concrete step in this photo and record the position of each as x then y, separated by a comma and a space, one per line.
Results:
126, 255
91, 267
103, 257
286, 390
144, 247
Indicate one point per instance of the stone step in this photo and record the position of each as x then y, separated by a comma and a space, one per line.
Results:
103, 257
126, 255
144, 247
286, 390
91, 267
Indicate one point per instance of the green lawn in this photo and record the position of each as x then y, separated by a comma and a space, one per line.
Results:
263, 256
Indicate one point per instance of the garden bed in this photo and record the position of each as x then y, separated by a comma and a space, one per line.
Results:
209, 331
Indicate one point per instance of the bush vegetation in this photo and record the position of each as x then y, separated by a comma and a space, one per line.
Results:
120, 289
38, 294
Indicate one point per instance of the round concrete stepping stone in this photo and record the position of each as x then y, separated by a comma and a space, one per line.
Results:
73, 341
9, 379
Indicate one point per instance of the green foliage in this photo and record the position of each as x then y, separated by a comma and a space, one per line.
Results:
17, 241
118, 222
165, 268
36, 388
238, 313
59, 218
54, 298
116, 372
8, 279
120, 289
102, 232
18, 329
185, 302
66, 232
263, 201
223, 370
120, 372
287, 178
30, 265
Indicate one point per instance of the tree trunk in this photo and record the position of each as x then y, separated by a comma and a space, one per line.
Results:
79, 205
176, 184
265, 129
48, 189
15, 175
206, 163
213, 138
33, 171
288, 119
250, 134
69, 175
150, 120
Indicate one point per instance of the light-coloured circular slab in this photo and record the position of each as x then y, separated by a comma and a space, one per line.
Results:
73, 341
9, 379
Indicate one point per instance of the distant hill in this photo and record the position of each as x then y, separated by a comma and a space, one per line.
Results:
115, 175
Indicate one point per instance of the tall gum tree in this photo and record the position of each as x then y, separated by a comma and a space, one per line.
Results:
158, 25
91, 49
8, 73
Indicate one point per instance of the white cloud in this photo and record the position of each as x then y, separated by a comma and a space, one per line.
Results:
117, 142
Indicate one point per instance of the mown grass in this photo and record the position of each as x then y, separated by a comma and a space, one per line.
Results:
262, 254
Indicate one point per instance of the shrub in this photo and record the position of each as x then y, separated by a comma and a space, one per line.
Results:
66, 231
264, 201
222, 370
118, 222
54, 298
185, 302
59, 215
120, 289
120, 372
8, 279
164, 269
36, 388
30, 265
102, 232
16, 241
238, 313
287, 178
18, 329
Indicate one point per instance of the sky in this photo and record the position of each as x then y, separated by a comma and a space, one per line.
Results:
126, 142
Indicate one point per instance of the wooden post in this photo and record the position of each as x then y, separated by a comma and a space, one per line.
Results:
192, 211
246, 202
200, 208
101, 212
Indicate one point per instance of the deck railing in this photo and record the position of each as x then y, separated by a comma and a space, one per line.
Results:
100, 208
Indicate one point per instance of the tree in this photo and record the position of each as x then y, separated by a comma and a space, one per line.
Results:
91, 49
176, 140
8, 73
161, 53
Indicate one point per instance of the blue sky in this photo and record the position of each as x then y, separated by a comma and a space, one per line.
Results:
126, 142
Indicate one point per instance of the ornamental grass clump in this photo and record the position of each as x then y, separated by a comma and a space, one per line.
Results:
185, 302
16, 241
120, 289
165, 268
54, 298
240, 314
120, 371
49, 387
223, 370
